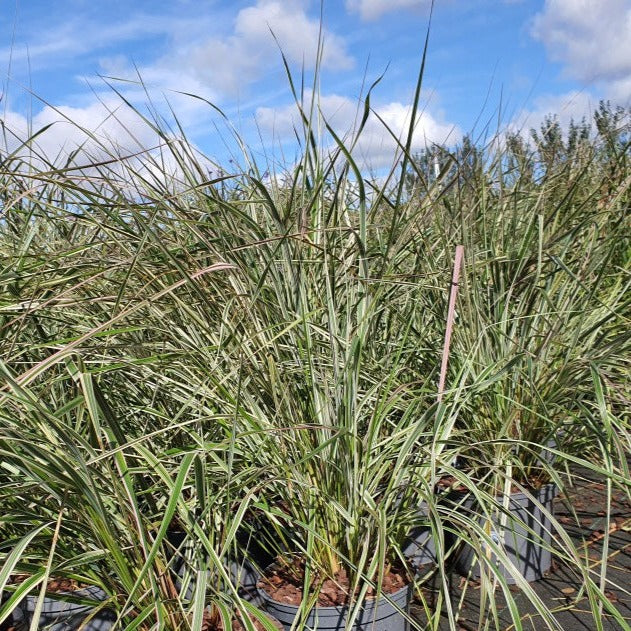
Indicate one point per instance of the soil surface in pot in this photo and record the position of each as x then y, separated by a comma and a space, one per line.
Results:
55, 585
284, 583
209, 623
450, 483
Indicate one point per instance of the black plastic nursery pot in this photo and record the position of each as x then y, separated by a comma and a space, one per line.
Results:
243, 575
60, 614
524, 534
388, 612
15, 618
277, 623
420, 548
243, 571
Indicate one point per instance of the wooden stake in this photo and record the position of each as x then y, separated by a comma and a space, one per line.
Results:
453, 291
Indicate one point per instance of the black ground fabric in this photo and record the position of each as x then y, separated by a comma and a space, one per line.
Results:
560, 590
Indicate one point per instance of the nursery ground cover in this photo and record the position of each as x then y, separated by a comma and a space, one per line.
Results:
560, 589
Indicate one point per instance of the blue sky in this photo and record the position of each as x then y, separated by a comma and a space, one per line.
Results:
491, 63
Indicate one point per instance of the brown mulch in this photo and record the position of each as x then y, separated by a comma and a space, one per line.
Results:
284, 583
55, 585
450, 483
210, 623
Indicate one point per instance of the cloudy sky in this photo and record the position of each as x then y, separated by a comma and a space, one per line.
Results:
490, 63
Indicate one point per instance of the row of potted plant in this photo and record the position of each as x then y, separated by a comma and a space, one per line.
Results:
198, 374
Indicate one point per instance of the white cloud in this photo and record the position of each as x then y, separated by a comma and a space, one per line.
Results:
592, 38
373, 9
102, 140
216, 54
620, 91
79, 137
229, 63
73, 37
218, 67
376, 147
98, 130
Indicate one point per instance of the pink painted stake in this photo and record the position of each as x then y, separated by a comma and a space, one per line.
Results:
450, 319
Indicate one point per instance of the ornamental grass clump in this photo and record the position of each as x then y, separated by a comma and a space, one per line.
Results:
86, 503
539, 328
540, 314
326, 399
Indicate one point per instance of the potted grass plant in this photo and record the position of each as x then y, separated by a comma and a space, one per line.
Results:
324, 398
338, 563
124, 554
523, 343
114, 503
509, 434
128, 590
41, 595
336, 455
67, 605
